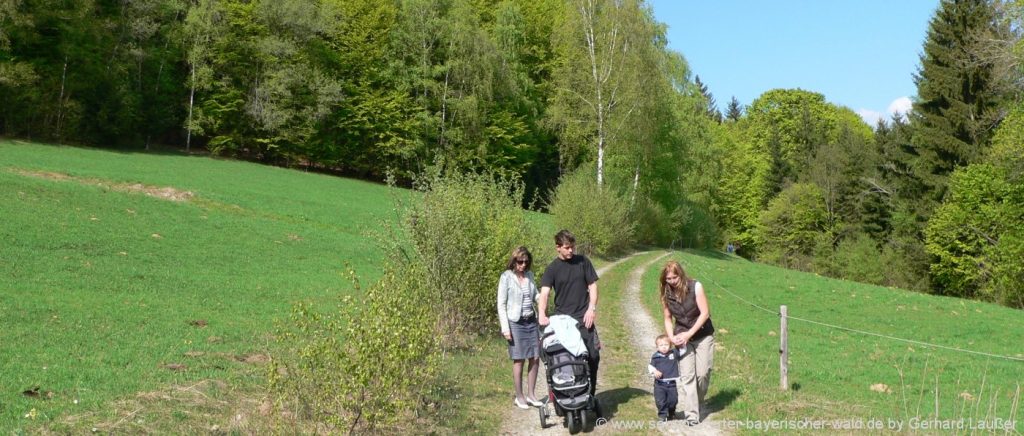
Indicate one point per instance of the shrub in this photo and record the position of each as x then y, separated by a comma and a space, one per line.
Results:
699, 230
598, 217
654, 225
858, 258
463, 232
1007, 284
366, 366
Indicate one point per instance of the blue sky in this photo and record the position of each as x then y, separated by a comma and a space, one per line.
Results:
861, 54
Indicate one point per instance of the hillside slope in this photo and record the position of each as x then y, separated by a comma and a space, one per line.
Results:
124, 273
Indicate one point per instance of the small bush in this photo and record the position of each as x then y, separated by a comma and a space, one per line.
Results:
599, 217
654, 225
366, 366
464, 231
858, 258
1007, 284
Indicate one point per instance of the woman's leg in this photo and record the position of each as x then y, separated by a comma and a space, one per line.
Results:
531, 380
517, 379
688, 380
705, 356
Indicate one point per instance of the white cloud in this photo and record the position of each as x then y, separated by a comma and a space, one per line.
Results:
900, 106
869, 116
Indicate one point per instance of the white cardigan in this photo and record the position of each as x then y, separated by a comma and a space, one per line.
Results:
510, 298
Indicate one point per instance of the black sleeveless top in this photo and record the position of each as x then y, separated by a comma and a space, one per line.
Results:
686, 313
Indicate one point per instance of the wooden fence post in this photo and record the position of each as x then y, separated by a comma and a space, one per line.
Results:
783, 350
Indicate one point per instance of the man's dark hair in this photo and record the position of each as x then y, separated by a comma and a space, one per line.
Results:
564, 237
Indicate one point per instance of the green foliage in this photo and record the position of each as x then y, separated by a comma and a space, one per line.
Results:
858, 258
973, 233
792, 136
959, 231
1007, 284
94, 72
734, 110
710, 106
373, 364
598, 217
792, 229
463, 233
367, 366
606, 51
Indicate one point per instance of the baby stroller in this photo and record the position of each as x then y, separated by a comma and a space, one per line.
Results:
568, 377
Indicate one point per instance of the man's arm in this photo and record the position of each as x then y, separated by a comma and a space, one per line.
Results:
591, 315
542, 305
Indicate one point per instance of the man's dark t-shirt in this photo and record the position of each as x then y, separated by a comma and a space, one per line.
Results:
570, 279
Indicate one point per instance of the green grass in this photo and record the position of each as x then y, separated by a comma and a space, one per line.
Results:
100, 288
831, 371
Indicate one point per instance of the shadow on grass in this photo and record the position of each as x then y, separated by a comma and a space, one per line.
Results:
610, 400
719, 401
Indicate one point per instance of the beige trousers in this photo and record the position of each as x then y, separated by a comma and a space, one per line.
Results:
695, 374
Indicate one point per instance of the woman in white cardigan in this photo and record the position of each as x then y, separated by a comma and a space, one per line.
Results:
517, 314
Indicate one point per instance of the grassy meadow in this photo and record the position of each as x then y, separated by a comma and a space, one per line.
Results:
844, 375
108, 294
139, 293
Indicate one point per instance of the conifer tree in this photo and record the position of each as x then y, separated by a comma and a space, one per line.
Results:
734, 111
712, 106
957, 108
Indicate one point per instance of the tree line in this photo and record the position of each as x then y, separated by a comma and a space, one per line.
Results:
551, 90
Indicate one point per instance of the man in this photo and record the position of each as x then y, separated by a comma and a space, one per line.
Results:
575, 282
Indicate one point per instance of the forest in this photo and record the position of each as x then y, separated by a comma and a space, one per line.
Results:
573, 98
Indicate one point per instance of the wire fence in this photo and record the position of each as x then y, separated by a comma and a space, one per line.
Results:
707, 277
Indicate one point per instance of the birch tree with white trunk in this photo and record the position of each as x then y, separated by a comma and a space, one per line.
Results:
600, 78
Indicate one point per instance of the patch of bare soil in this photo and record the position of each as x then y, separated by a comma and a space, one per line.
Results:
164, 193
254, 358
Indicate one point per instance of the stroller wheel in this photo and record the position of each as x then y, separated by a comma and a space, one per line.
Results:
572, 419
584, 419
597, 409
543, 412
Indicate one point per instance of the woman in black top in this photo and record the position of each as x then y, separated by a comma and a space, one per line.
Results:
688, 325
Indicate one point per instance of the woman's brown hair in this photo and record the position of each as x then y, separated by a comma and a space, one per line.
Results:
680, 292
516, 254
